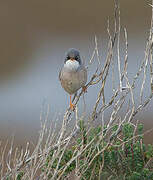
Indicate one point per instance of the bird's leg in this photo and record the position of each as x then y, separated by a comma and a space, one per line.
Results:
72, 106
84, 89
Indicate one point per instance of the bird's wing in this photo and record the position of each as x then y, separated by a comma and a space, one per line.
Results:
59, 76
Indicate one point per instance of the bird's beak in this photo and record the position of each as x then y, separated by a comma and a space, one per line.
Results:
72, 59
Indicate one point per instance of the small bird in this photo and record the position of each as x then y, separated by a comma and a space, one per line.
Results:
73, 74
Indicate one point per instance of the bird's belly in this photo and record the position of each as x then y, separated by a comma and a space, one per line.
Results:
71, 82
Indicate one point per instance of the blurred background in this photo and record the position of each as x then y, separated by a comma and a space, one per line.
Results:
34, 35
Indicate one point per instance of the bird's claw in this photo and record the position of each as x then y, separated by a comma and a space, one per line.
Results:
72, 107
84, 89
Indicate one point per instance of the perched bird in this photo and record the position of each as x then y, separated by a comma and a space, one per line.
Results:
73, 74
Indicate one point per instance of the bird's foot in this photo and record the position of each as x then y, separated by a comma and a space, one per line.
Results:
72, 107
84, 89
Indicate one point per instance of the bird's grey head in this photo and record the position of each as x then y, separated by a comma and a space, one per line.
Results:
73, 54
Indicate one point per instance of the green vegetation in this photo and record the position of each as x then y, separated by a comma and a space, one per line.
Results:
126, 157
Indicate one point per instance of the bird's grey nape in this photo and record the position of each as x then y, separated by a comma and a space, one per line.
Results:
74, 54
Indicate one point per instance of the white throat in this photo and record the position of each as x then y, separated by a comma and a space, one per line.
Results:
72, 65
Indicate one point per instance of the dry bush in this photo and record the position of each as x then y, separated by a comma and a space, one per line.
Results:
73, 153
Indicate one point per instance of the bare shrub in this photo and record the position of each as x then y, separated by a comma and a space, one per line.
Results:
75, 154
